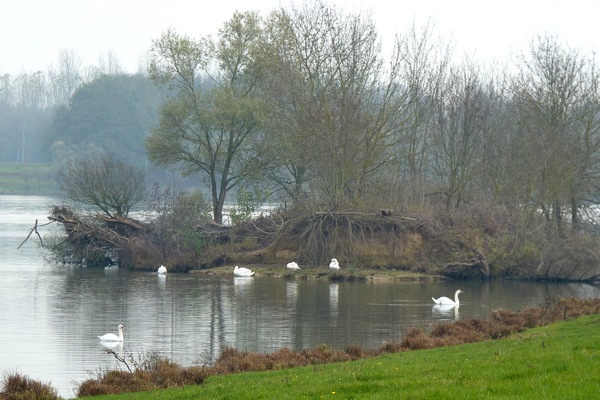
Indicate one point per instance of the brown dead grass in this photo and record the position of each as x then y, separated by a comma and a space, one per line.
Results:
157, 372
19, 387
154, 372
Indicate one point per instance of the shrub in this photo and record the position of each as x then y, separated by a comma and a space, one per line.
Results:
19, 387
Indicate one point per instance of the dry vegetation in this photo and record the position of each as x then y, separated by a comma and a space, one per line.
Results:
19, 387
471, 242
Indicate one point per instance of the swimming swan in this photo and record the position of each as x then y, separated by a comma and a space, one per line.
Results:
334, 265
242, 271
162, 270
111, 337
293, 265
444, 301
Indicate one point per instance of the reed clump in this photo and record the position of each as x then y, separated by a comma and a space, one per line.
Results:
16, 386
153, 372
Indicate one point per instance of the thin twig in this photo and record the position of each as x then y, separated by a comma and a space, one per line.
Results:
34, 229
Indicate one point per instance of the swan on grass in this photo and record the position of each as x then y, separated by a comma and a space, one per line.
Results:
293, 266
334, 265
237, 271
445, 301
111, 337
162, 270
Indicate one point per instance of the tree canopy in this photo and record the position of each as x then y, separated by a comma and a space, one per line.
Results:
112, 113
212, 123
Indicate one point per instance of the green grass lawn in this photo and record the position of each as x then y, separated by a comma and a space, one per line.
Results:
26, 179
559, 361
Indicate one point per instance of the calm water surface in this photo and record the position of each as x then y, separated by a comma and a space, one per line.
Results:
52, 314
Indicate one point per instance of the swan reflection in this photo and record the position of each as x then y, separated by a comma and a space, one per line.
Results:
446, 311
162, 280
334, 294
242, 284
291, 291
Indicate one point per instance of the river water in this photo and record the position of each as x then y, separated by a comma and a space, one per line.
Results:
52, 314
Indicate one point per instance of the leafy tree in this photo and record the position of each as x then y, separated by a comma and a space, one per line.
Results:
113, 186
113, 113
175, 218
210, 127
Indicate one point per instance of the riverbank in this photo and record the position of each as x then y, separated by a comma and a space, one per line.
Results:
552, 362
148, 372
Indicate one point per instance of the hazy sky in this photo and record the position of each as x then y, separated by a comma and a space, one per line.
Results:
32, 32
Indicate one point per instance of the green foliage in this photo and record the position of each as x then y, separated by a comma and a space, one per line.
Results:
212, 130
175, 219
113, 113
247, 203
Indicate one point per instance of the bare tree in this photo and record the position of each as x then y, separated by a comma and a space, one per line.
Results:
64, 78
462, 121
425, 62
108, 64
556, 96
104, 182
333, 115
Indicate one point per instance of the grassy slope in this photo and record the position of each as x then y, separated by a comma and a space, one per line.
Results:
26, 179
559, 361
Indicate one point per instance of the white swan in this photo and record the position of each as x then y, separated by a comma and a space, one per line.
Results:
444, 301
111, 337
242, 271
162, 270
293, 265
334, 265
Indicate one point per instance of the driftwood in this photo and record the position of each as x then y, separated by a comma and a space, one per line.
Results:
87, 232
34, 229
98, 238
123, 222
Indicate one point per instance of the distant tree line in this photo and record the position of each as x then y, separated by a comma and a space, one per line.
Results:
29, 102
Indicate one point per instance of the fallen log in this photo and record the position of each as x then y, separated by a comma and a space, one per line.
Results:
129, 222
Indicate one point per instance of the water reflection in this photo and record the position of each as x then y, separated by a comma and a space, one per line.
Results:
242, 284
52, 314
442, 312
334, 294
291, 292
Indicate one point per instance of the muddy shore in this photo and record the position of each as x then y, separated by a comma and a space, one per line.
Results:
322, 272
